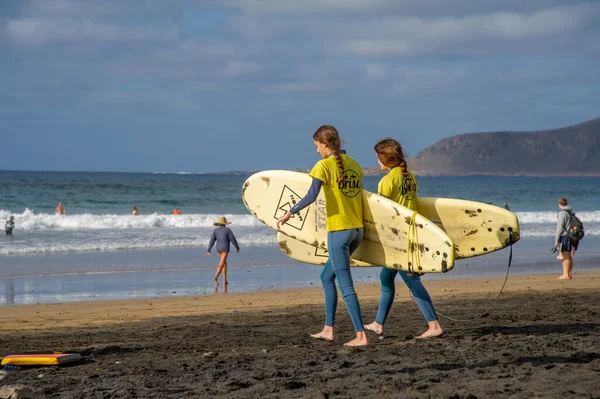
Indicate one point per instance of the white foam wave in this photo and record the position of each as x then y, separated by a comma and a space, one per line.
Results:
41, 221
49, 233
28, 220
550, 217
106, 244
550, 231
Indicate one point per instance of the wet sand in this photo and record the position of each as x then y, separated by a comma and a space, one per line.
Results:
540, 339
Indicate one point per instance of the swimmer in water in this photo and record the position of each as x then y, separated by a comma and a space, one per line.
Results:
10, 226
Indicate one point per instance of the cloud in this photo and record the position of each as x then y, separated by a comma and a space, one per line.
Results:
38, 31
378, 48
291, 88
74, 8
362, 62
398, 35
375, 71
240, 68
423, 80
308, 6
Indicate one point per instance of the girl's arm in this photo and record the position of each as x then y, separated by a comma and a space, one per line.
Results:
213, 238
308, 199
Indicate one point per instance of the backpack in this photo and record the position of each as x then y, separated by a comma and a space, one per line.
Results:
576, 231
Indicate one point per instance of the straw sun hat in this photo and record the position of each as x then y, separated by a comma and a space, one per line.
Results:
222, 220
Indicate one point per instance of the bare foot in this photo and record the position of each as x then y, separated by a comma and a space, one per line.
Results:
326, 334
323, 336
563, 277
375, 327
431, 333
360, 340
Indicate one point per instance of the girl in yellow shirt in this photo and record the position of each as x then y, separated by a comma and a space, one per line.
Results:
400, 185
340, 176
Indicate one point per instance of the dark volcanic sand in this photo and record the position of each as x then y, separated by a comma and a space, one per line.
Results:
533, 345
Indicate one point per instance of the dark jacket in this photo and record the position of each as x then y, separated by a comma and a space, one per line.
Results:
224, 237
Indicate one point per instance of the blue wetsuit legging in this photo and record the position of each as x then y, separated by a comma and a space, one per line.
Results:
341, 244
388, 292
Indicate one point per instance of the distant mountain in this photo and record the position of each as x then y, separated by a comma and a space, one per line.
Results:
568, 151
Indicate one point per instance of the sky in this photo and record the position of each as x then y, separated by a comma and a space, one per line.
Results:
219, 85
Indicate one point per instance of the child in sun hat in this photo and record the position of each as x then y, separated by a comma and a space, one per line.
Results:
224, 237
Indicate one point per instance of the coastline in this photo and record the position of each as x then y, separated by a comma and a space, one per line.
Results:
111, 312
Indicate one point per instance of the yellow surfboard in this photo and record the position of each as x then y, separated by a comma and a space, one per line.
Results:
476, 229
39, 359
394, 236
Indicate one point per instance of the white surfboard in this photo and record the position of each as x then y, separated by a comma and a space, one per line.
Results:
388, 239
306, 253
476, 229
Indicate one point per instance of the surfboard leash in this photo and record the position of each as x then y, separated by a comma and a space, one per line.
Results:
413, 245
485, 312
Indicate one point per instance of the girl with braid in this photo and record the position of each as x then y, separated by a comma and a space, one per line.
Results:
340, 176
400, 185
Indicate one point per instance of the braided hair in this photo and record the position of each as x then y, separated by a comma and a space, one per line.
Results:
328, 135
391, 155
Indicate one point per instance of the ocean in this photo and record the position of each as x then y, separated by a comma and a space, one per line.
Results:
99, 250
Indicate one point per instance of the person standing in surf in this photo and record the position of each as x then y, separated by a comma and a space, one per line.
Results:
340, 176
224, 238
400, 185
9, 226
60, 209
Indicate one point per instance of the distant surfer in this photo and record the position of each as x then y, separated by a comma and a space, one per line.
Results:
136, 211
60, 209
400, 185
224, 238
506, 206
10, 226
341, 178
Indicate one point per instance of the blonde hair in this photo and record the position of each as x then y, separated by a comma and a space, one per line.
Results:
328, 135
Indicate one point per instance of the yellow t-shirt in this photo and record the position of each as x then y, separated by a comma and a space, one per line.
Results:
343, 202
399, 188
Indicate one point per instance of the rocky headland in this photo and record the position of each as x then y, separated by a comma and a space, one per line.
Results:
568, 151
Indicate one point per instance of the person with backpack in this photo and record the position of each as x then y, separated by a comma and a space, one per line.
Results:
569, 230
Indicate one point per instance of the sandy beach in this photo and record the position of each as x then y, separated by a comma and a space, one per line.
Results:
540, 339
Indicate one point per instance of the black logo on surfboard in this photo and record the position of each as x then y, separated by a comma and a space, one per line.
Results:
321, 252
351, 185
287, 200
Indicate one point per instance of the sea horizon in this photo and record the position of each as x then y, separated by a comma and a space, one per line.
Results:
369, 171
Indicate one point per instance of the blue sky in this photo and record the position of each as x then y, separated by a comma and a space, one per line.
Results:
218, 85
